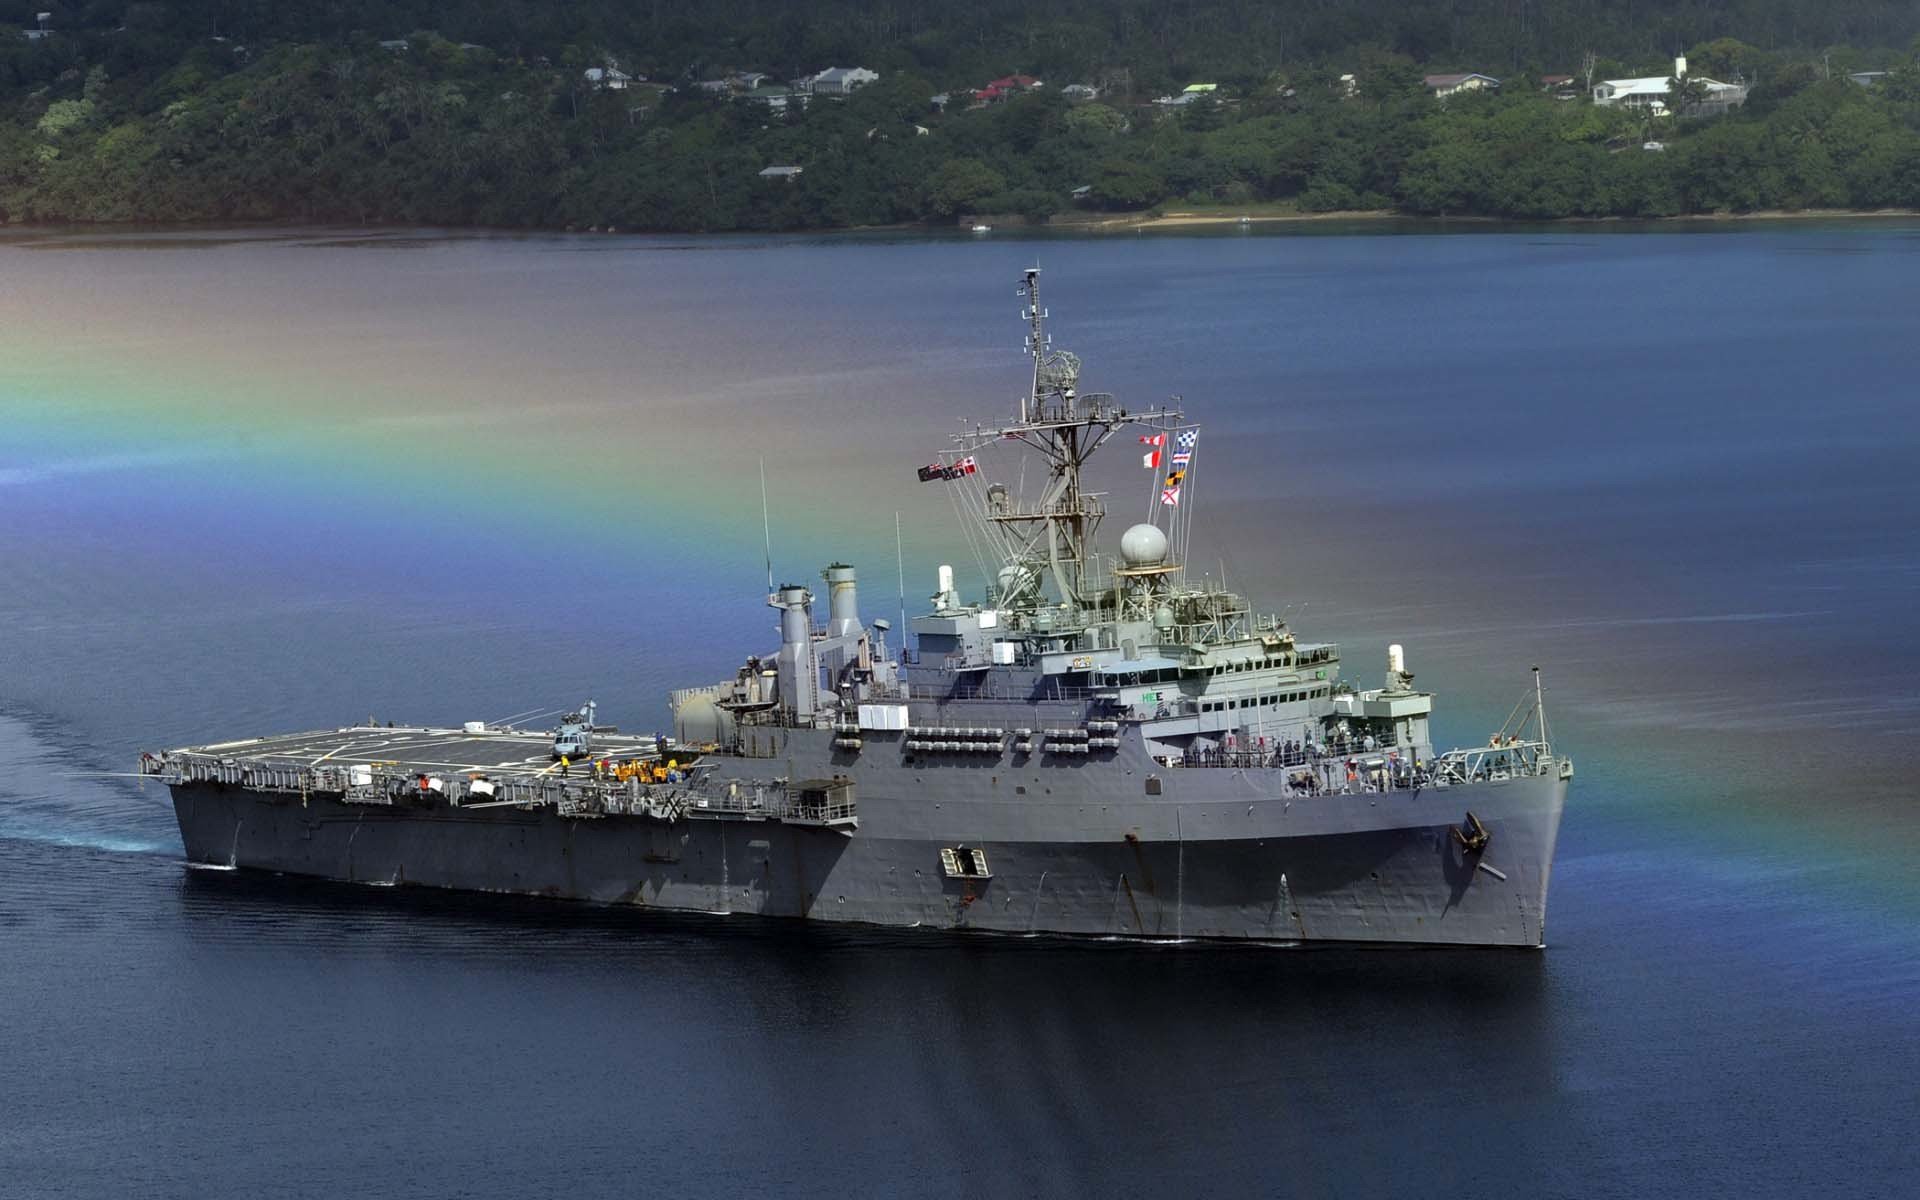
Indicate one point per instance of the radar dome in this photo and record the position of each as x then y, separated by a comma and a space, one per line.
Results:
1144, 546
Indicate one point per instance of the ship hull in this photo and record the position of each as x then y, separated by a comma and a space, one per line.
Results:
1218, 863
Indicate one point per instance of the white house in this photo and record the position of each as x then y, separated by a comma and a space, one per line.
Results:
611, 79
1443, 86
838, 81
783, 174
1650, 93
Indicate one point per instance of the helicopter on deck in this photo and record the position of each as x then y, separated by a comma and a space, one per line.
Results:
574, 739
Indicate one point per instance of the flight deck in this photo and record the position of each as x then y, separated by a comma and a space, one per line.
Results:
421, 749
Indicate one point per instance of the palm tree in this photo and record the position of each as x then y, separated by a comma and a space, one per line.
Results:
1685, 93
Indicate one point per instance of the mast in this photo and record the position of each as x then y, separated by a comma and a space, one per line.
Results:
1050, 538
1038, 343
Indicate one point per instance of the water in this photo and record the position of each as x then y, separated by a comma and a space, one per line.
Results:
265, 481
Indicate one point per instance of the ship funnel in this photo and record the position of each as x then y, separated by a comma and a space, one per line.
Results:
843, 600
793, 603
798, 674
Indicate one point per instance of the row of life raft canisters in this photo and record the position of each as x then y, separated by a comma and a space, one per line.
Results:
1094, 737
946, 739
954, 739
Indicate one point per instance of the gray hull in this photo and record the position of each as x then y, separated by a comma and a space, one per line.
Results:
1217, 861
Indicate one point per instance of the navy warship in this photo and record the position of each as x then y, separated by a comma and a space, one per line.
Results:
1096, 745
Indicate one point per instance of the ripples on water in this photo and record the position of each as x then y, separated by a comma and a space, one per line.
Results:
492, 473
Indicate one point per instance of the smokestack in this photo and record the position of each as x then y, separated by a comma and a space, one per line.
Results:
843, 600
1680, 66
799, 676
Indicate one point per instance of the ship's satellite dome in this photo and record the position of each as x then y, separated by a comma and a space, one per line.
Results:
1144, 546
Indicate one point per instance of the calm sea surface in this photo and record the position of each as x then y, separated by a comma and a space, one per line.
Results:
256, 482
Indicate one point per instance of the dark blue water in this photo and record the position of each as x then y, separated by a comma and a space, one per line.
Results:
260, 483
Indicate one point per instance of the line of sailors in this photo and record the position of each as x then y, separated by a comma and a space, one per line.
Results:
622, 770
654, 771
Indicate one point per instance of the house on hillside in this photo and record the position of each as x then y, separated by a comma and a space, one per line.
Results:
1867, 78
1560, 87
1079, 93
782, 174
1443, 86
607, 79
42, 28
841, 81
1191, 94
1005, 88
1650, 93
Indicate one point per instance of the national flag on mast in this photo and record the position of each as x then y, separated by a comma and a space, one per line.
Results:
968, 466
1158, 439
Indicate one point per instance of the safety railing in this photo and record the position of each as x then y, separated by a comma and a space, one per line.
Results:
689, 792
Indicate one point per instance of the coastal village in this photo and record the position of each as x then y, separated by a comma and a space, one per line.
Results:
615, 134
1680, 94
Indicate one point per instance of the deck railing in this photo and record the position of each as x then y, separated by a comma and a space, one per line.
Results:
687, 792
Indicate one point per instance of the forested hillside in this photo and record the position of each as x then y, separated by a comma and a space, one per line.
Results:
481, 111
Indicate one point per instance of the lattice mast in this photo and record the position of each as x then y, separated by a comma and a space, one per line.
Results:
1051, 538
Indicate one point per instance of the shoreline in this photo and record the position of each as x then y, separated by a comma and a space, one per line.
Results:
1190, 219
1093, 224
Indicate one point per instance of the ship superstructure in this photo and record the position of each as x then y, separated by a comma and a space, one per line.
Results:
1096, 745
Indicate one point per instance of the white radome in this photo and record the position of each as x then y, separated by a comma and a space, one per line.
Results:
1144, 546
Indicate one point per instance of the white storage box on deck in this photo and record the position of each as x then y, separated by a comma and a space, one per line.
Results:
1003, 653
883, 716
359, 776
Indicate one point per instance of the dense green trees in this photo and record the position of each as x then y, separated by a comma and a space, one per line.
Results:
221, 110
